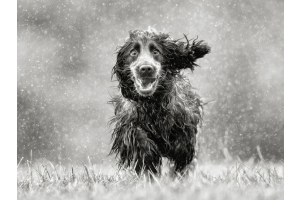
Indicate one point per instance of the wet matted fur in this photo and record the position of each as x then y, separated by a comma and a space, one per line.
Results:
157, 115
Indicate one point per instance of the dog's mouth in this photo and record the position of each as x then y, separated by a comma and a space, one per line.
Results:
146, 86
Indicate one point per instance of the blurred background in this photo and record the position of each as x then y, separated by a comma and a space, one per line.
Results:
66, 50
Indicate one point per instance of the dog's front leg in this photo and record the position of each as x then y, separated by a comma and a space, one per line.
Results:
147, 156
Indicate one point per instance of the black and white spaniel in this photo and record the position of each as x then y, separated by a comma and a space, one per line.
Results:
158, 115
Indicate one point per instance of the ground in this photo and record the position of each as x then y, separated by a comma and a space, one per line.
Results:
232, 181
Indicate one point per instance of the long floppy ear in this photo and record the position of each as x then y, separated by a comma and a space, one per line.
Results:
122, 72
198, 49
182, 55
194, 51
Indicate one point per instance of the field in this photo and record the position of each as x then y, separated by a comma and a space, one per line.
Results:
232, 181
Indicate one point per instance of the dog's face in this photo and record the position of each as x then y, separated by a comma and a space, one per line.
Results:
150, 60
145, 64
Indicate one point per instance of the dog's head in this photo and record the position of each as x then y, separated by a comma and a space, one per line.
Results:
148, 57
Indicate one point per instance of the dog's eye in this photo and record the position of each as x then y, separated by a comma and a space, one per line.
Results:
155, 52
133, 53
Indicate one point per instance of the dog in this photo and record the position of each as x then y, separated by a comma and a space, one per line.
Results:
158, 115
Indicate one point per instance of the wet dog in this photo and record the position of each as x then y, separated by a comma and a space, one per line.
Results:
157, 115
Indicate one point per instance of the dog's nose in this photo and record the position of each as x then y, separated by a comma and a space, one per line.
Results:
146, 70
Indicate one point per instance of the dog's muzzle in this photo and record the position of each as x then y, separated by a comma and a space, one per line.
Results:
146, 80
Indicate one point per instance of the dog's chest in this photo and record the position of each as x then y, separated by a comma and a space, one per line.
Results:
155, 120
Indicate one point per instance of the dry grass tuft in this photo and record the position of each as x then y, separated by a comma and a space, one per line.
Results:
235, 181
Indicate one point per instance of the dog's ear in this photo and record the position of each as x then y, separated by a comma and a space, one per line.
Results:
122, 73
119, 68
182, 55
198, 50
195, 50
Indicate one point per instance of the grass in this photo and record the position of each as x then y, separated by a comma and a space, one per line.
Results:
232, 181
